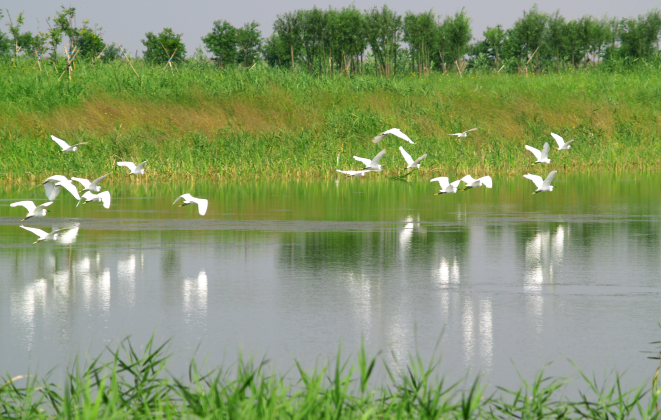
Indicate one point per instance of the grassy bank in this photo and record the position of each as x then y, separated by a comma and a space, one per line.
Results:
266, 123
135, 384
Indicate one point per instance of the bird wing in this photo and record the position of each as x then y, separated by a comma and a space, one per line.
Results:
129, 165
568, 142
536, 179
534, 151
407, 157
486, 181
52, 191
455, 184
456, 134
97, 181
40, 233
69, 186
88, 195
420, 159
549, 179
443, 180
46, 204
545, 150
63, 144
558, 139
185, 197
29, 205
84, 182
56, 178
141, 165
365, 161
468, 179
377, 158
468, 131
378, 138
105, 198
398, 133
202, 205
78, 144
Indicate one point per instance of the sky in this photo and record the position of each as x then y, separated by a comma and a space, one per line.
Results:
127, 21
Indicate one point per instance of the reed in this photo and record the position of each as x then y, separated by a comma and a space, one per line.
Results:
266, 123
134, 383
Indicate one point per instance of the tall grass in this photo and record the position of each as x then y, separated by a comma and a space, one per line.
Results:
135, 383
262, 122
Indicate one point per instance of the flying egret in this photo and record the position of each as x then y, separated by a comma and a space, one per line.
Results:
53, 184
374, 163
474, 183
135, 170
65, 146
90, 197
446, 185
409, 160
33, 211
90, 186
43, 235
543, 156
393, 131
354, 173
463, 134
542, 184
561, 142
202, 203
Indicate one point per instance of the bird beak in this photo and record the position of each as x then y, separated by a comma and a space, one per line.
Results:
22, 220
534, 193
34, 242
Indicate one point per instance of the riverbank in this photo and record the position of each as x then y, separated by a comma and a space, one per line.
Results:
136, 383
263, 123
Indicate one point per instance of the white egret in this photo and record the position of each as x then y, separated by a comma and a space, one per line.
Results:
409, 160
354, 173
135, 170
43, 235
90, 197
446, 185
90, 186
202, 203
392, 132
65, 146
542, 184
374, 163
33, 210
463, 134
53, 184
561, 142
475, 183
543, 156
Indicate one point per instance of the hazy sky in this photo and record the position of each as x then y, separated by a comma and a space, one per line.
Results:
127, 21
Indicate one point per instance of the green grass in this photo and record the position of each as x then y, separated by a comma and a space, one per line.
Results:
136, 384
267, 123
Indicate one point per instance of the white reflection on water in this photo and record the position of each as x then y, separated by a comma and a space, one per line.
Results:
126, 277
448, 273
361, 296
195, 296
486, 333
24, 304
467, 325
67, 237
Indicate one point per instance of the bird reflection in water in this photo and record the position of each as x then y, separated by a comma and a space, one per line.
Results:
195, 296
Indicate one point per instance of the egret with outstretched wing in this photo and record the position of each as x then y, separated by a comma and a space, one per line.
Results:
33, 210
135, 170
542, 184
475, 183
374, 163
543, 156
412, 164
43, 235
90, 186
354, 173
65, 146
446, 186
202, 203
392, 132
103, 198
561, 142
464, 133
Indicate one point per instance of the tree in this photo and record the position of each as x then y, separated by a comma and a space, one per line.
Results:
90, 43
530, 31
312, 36
494, 38
4, 40
221, 41
288, 28
383, 30
63, 26
556, 37
249, 41
456, 33
157, 45
420, 32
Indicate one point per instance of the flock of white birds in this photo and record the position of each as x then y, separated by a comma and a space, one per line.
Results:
373, 165
91, 193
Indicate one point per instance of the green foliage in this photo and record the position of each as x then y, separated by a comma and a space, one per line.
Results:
384, 32
456, 33
91, 44
222, 42
164, 47
288, 36
421, 33
249, 43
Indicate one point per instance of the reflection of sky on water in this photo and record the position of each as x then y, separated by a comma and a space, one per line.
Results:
529, 291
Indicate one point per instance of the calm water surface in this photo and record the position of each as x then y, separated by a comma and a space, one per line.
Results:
506, 280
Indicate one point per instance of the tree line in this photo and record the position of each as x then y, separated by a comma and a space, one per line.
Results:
379, 40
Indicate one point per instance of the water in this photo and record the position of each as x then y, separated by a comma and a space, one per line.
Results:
500, 279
